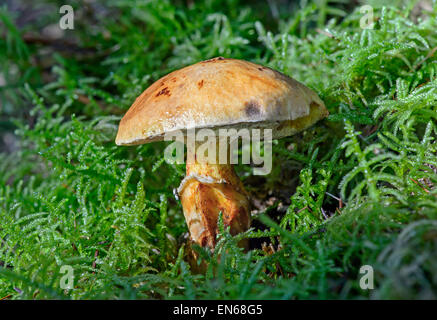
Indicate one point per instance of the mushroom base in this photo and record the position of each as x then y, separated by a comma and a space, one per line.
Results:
207, 190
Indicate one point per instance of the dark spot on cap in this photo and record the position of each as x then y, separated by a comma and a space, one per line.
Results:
261, 68
200, 84
252, 108
214, 59
164, 91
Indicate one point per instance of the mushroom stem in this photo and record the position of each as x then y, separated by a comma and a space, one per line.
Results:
207, 190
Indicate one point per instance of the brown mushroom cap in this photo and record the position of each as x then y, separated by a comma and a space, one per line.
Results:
220, 93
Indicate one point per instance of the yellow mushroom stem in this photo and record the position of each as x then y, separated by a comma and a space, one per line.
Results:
207, 190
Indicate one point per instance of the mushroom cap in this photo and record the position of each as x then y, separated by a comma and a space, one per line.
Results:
220, 93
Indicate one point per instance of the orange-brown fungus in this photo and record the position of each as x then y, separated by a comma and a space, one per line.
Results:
202, 202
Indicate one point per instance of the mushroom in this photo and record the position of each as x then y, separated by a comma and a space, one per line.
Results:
218, 93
